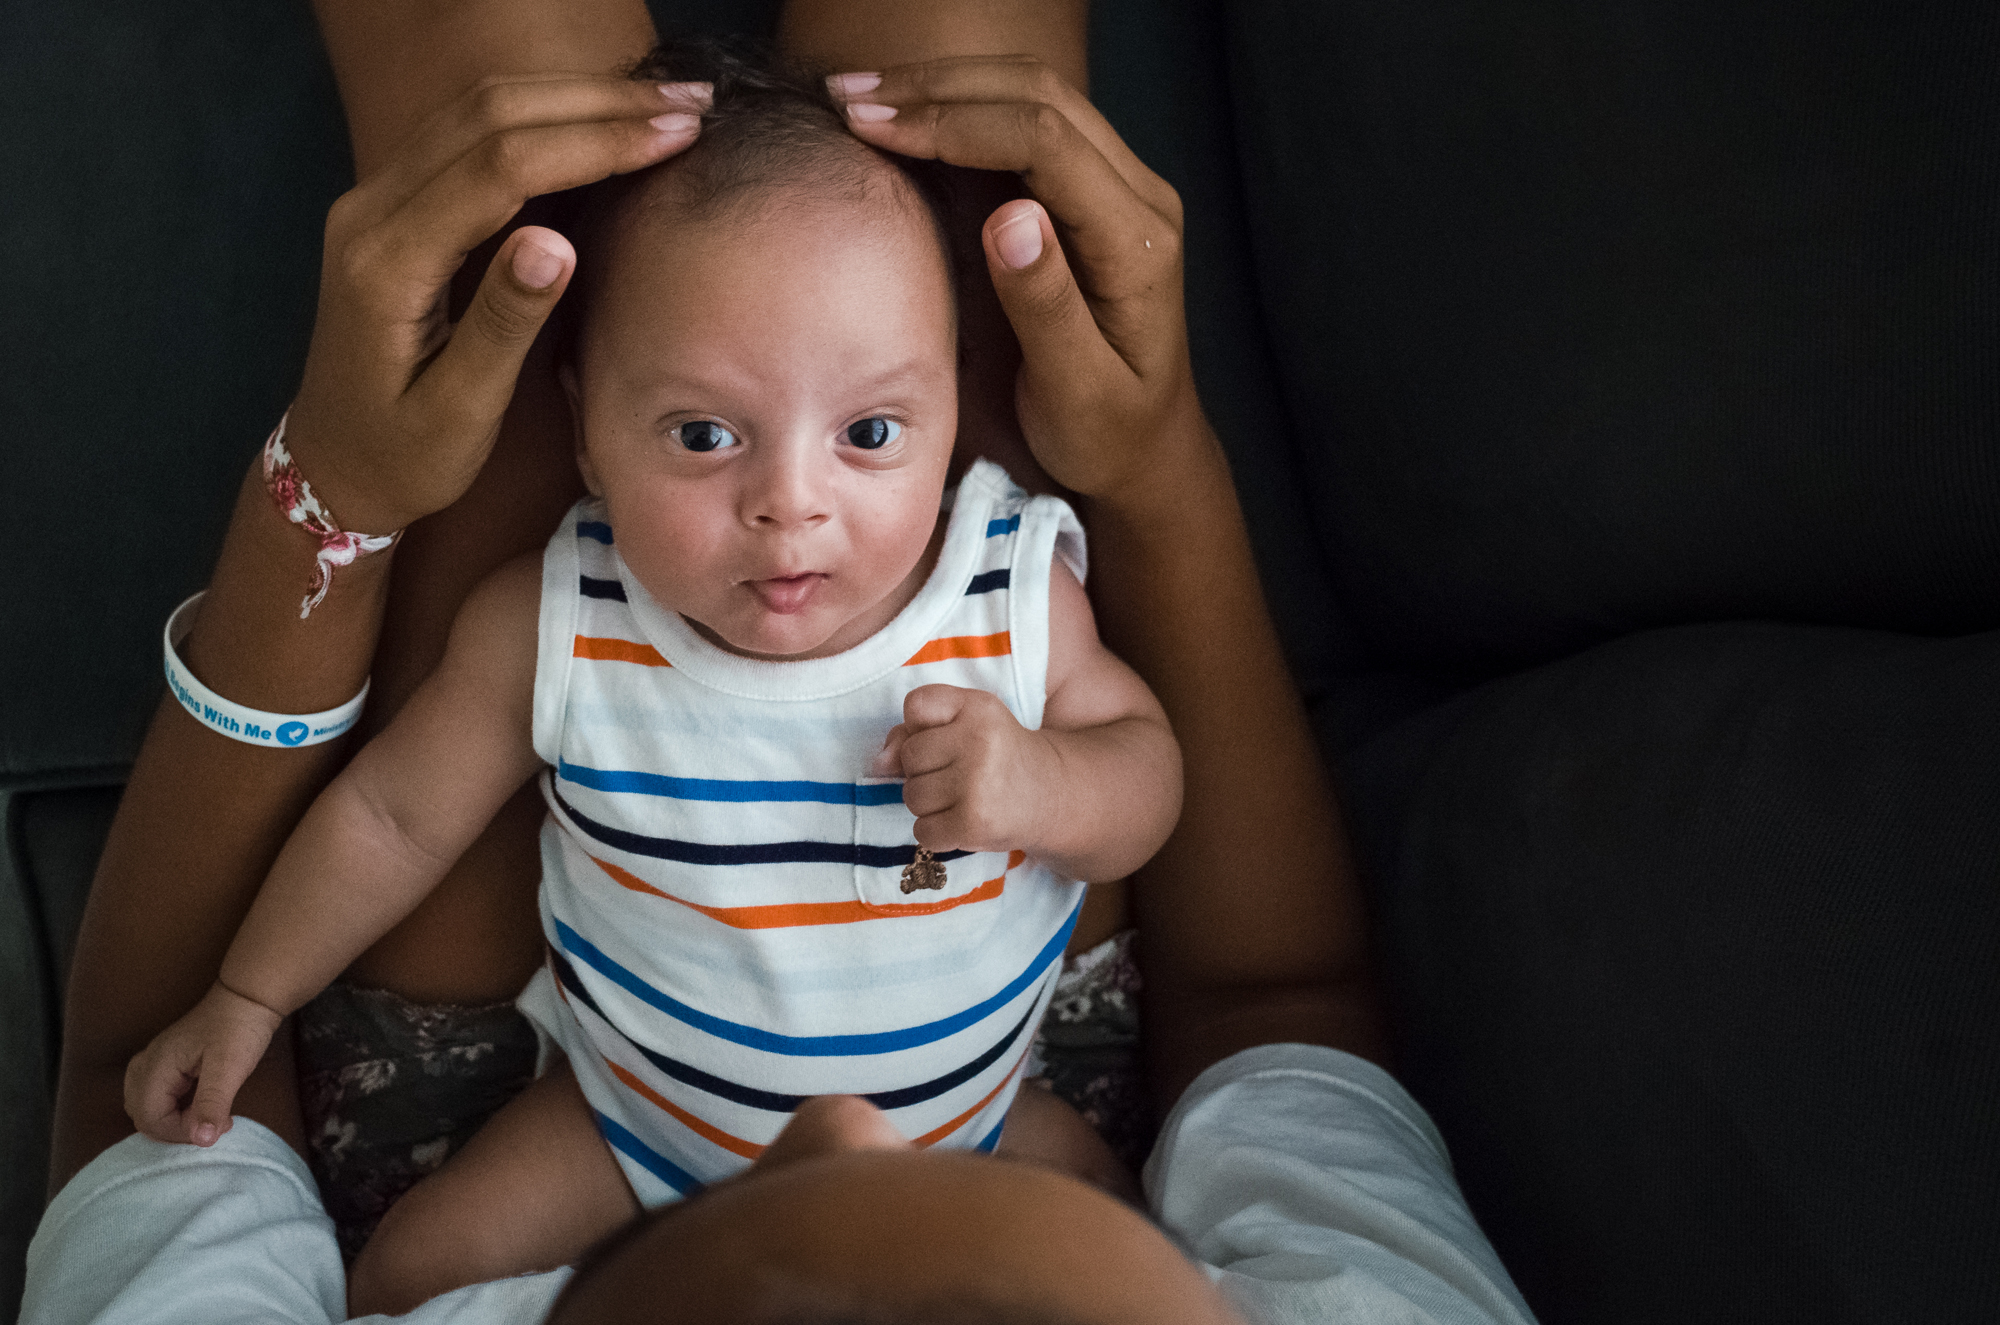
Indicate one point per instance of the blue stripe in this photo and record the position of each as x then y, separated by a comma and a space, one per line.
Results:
720, 789
992, 1138
744, 853
751, 1096
987, 583
648, 1158
593, 588
596, 529
815, 1046
994, 528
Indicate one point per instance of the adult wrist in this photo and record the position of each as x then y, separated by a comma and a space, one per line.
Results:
240, 722
1185, 461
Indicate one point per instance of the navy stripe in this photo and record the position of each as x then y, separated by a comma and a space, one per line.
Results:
648, 1158
746, 853
994, 528
720, 789
596, 529
817, 1046
908, 1095
987, 583
751, 1096
592, 588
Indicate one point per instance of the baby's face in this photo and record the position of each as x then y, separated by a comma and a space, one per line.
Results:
767, 403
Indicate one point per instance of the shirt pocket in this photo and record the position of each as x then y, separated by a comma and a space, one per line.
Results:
885, 850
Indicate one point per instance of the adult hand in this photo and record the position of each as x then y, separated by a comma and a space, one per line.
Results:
1088, 269
399, 407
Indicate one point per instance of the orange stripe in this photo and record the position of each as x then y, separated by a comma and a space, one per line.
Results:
963, 646
599, 649
735, 1145
937, 1134
791, 915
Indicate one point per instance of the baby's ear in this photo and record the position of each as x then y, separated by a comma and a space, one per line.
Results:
566, 374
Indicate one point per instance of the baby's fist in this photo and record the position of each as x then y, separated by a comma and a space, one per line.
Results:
972, 774
181, 1086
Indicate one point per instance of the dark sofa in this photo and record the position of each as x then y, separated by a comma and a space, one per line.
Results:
1615, 391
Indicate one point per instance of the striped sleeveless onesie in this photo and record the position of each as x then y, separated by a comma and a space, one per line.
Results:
721, 878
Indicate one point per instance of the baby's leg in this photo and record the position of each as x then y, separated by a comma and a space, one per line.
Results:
1043, 1129
532, 1190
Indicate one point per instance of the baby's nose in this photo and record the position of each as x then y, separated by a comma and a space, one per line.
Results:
786, 492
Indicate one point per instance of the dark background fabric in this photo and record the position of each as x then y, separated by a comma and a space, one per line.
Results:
1598, 317
1694, 941
1612, 391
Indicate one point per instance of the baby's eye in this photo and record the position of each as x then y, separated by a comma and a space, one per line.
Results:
704, 435
873, 434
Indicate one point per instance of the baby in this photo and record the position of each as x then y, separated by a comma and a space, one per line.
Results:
763, 661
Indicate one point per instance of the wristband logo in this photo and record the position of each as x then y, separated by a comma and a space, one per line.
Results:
252, 726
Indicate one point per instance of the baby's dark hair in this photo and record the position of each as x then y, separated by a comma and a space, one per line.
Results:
772, 124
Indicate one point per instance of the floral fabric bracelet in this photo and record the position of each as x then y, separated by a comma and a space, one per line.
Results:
294, 496
283, 731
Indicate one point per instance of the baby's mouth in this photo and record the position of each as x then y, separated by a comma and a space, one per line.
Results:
786, 594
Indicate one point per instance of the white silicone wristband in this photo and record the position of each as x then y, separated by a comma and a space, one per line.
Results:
283, 731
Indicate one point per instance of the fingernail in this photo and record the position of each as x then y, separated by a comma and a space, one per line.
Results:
700, 94
1019, 240
846, 86
204, 1135
536, 267
676, 122
869, 112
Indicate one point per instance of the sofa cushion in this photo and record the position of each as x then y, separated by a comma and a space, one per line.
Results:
169, 170
53, 839
1694, 941
1595, 318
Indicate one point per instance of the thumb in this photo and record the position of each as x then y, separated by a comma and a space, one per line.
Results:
477, 367
1061, 345
888, 761
208, 1114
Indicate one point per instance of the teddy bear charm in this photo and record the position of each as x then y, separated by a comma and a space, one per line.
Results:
923, 872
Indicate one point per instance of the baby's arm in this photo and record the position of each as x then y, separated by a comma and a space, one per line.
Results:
376, 841
1093, 793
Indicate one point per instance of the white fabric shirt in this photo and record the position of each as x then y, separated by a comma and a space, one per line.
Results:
1311, 1184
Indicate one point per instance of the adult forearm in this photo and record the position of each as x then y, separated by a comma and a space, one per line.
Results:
1251, 914
397, 62
203, 816
876, 34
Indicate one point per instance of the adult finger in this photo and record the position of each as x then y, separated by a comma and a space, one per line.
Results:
1007, 78
474, 375
1100, 214
1067, 363
421, 244
500, 105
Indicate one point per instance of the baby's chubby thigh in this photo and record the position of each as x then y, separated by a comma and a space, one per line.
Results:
532, 1190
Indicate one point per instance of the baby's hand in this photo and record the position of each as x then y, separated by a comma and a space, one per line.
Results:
976, 779
181, 1086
